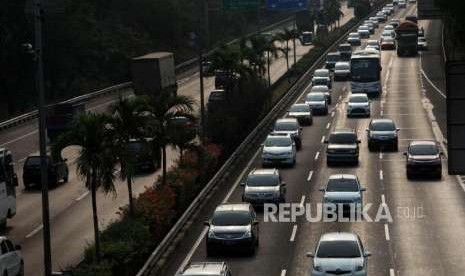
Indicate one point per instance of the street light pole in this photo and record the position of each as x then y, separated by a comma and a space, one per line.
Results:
38, 18
202, 92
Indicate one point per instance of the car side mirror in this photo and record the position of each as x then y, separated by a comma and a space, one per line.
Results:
242, 184
255, 222
65, 160
366, 129
359, 141
310, 255
283, 184
17, 247
326, 141
301, 128
367, 254
397, 129
321, 189
12, 164
363, 189
206, 223
441, 153
405, 154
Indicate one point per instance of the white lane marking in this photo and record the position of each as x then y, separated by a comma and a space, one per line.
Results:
381, 174
332, 114
381, 155
328, 125
383, 199
82, 196
386, 231
317, 155
19, 138
310, 175
344, 90
294, 232
35, 231
205, 229
429, 80
337, 105
391, 272
283, 272
302, 201
323, 139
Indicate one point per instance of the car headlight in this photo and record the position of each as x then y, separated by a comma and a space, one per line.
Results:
247, 234
316, 267
359, 268
211, 234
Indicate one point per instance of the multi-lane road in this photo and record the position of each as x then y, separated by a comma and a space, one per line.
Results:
426, 235
70, 207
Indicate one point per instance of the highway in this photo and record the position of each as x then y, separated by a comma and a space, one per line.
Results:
426, 236
70, 206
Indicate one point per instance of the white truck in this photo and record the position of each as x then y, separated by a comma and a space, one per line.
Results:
8, 183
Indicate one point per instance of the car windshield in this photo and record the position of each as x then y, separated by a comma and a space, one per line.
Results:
387, 33
332, 57
373, 42
342, 185
320, 88
342, 138
338, 249
342, 66
286, 126
300, 108
255, 180
136, 146
315, 97
383, 126
358, 99
353, 35
277, 141
365, 69
321, 73
35, 161
423, 150
388, 40
320, 81
345, 48
231, 218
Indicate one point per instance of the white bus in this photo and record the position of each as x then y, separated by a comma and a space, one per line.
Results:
8, 183
365, 70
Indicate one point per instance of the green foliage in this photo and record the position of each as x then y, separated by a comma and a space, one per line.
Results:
361, 8
455, 21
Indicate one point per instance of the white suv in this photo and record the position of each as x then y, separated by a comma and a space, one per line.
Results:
207, 268
279, 149
11, 261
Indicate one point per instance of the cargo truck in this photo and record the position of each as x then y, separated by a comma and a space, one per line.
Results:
153, 73
60, 118
407, 39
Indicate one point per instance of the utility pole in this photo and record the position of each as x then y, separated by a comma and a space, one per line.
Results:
294, 35
38, 18
200, 49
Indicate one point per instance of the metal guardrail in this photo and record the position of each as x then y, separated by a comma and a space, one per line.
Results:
251, 141
117, 88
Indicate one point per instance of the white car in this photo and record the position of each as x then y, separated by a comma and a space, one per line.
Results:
358, 105
345, 191
389, 28
342, 71
279, 149
422, 44
318, 103
364, 31
323, 89
11, 261
402, 4
373, 43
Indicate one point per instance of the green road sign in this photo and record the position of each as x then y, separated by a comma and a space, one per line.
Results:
241, 5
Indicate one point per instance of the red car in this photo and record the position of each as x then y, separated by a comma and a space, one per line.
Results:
388, 44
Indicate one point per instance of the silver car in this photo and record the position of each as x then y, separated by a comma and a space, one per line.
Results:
279, 149
358, 105
207, 268
264, 186
354, 39
323, 89
339, 253
289, 126
345, 191
301, 112
317, 102
342, 71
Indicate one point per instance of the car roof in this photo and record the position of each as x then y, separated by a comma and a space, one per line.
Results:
339, 236
233, 207
343, 130
345, 45
319, 87
316, 93
342, 63
286, 120
264, 171
274, 134
323, 70
358, 95
374, 121
300, 104
205, 268
372, 41
423, 142
342, 176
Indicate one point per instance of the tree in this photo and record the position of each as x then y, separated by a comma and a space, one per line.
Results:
163, 109
127, 123
285, 36
96, 160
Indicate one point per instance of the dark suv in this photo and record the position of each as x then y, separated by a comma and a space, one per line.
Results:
423, 159
141, 152
232, 226
56, 171
382, 134
343, 147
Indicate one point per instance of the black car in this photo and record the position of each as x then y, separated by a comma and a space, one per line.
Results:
343, 147
423, 159
57, 170
346, 51
232, 226
141, 153
382, 134
331, 59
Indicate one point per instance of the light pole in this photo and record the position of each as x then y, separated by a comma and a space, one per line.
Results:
38, 18
202, 11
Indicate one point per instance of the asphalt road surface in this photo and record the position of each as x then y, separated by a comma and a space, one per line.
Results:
425, 237
70, 206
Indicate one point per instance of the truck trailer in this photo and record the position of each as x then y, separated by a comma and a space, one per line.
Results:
407, 38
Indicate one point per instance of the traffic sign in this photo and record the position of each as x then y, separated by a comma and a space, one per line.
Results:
241, 5
287, 4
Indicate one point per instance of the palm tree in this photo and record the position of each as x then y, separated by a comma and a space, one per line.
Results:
285, 36
182, 133
96, 160
127, 123
163, 109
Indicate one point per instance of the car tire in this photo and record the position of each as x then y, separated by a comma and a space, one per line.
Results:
395, 147
329, 163
409, 175
371, 148
251, 250
210, 251
66, 177
21, 269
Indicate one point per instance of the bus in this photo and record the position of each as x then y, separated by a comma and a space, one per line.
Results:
365, 70
8, 183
